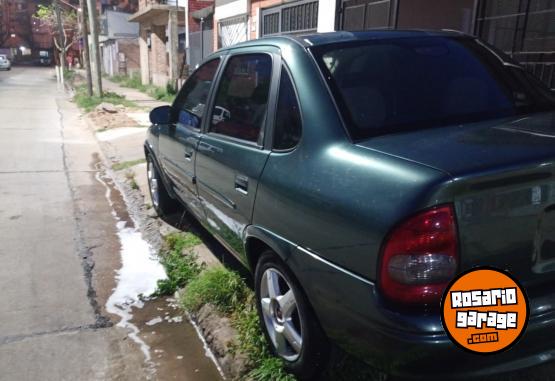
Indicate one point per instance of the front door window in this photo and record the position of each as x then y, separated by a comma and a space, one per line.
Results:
194, 94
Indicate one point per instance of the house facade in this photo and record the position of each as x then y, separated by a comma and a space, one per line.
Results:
173, 34
200, 28
159, 21
524, 29
119, 43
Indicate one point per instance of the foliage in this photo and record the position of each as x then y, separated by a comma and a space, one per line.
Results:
179, 241
127, 164
180, 268
133, 184
133, 81
270, 369
69, 75
68, 33
217, 286
170, 89
250, 336
229, 293
88, 103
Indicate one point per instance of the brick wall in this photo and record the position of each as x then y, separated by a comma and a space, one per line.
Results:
215, 34
195, 5
159, 65
130, 48
144, 55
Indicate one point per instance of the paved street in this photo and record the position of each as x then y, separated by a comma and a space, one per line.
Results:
60, 248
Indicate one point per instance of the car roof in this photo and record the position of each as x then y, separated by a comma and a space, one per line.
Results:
317, 39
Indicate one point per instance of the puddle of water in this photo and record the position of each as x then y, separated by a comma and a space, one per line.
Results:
158, 321
207, 351
138, 275
175, 345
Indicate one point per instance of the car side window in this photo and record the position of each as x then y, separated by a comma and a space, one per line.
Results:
288, 125
242, 98
194, 94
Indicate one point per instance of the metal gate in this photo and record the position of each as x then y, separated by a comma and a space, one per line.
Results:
201, 44
523, 29
292, 18
232, 31
365, 14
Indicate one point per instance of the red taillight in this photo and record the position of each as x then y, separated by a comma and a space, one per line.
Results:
419, 257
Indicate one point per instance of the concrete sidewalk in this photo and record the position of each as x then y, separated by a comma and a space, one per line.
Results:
134, 95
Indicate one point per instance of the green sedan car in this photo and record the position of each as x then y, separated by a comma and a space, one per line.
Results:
355, 175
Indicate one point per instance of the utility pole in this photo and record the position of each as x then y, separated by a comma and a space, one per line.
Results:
94, 53
85, 41
61, 42
174, 44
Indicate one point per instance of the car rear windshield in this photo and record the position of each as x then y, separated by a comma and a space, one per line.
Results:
385, 86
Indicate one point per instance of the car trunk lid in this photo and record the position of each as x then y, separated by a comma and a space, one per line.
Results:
503, 188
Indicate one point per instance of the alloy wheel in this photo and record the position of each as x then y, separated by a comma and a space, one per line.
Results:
281, 314
153, 184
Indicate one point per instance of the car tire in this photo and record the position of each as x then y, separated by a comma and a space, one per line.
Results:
162, 202
287, 320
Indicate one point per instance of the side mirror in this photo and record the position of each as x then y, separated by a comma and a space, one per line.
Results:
161, 115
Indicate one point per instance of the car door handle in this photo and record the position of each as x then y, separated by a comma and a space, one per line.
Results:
204, 147
242, 184
188, 155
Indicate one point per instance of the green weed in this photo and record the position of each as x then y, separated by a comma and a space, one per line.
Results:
180, 268
217, 286
166, 94
270, 369
229, 293
127, 164
88, 103
134, 184
69, 75
250, 336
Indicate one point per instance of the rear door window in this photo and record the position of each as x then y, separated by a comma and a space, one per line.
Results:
288, 125
241, 101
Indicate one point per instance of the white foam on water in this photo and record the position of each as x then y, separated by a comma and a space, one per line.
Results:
138, 275
156, 320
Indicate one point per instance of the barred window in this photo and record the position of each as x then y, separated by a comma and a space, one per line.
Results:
523, 29
291, 18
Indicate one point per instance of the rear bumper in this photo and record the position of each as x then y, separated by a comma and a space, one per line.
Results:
410, 344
